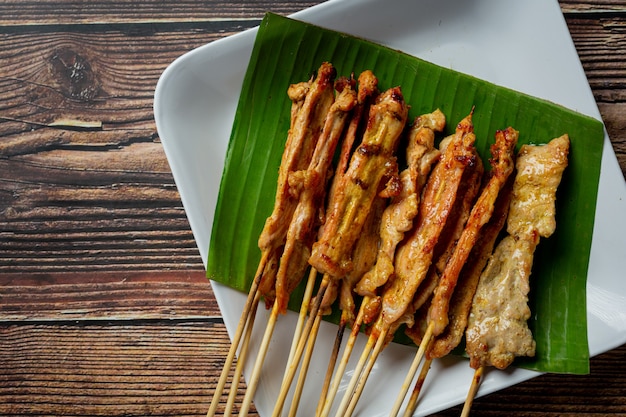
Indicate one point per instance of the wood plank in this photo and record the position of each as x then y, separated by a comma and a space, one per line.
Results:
88, 198
106, 295
70, 12
169, 368
588, 7
600, 43
93, 369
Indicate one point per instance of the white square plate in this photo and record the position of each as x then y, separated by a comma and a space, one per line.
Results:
524, 46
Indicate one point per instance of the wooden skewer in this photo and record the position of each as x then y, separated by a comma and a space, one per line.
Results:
258, 364
412, 405
343, 363
305, 366
356, 395
343, 406
412, 370
241, 360
478, 376
251, 303
304, 310
331, 368
306, 331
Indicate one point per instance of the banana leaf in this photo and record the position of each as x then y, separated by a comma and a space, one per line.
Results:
287, 51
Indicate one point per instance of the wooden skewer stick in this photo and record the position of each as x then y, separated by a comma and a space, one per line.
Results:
241, 360
356, 395
331, 368
478, 376
304, 310
412, 370
251, 303
343, 406
343, 363
412, 405
306, 331
305, 366
258, 364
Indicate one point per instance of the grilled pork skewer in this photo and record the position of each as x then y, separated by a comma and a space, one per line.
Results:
462, 297
502, 162
498, 330
414, 255
367, 90
310, 103
372, 164
398, 216
421, 155
304, 133
302, 229
311, 185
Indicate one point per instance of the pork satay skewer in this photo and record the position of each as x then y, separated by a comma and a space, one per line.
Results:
397, 218
306, 218
370, 164
453, 229
367, 90
463, 294
498, 323
414, 256
296, 156
503, 163
363, 259
293, 261
462, 297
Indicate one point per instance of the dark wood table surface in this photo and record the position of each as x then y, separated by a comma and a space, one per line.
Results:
104, 308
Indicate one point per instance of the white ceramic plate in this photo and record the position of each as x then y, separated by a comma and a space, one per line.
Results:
525, 46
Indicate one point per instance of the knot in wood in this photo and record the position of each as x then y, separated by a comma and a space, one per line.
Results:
74, 74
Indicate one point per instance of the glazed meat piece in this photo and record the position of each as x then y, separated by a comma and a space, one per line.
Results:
371, 166
398, 216
306, 217
461, 301
311, 102
414, 255
502, 162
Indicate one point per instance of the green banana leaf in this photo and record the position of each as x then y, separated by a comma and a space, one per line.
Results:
287, 51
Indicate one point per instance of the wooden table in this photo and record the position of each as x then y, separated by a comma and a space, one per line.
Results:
104, 308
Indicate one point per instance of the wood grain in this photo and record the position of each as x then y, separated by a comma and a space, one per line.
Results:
106, 295
158, 368
147, 368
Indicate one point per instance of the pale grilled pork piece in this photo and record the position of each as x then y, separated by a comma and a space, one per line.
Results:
498, 330
306, 217
398, 216
371, 165
503, 163
461, 301
308, 117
